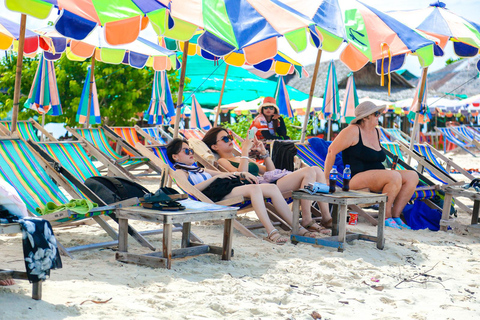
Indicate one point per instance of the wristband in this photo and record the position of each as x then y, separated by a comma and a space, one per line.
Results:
266, 155
244, 157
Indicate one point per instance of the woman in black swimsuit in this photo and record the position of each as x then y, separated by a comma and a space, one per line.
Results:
360, 143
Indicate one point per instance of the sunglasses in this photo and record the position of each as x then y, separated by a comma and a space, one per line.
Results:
226, 138
269, 107
377, 113
188, 151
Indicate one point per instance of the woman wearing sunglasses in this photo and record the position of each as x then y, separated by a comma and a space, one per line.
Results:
220, 185
269, 123
360, 144
220, 142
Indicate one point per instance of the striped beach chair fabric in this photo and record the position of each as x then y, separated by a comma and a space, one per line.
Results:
25, 129
96, 136
19, 167
383, 136
154, 133
130, 135
396, 134
450, 137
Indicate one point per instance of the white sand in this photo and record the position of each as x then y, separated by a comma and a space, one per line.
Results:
262, 281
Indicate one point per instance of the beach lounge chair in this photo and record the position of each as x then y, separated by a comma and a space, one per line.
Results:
98, 144
397, 135
11, 228
383, 135
449, 135
37, 182
27, 130
157, 154
154, 135
468, 134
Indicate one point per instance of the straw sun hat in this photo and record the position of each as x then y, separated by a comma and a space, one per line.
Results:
365, 109
268, 101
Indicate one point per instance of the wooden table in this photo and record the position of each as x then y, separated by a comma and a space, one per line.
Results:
450, 192
340, 201
195, 211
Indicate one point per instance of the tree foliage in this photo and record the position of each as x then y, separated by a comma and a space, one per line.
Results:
123, 91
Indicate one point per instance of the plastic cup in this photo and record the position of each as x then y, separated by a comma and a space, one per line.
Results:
353, 218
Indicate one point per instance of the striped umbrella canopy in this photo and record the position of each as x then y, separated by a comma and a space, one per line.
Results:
251, 25
350, 101
10, 33
283, 100
198, 119
82, 112
376, 37
331, 100
420, 108
44, 96
328, 31
436, 20
120, 20
280, 64
138, 54
161, 108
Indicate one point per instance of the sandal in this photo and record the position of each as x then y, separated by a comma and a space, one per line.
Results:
276, 238
327, 224
389, 222
312, 226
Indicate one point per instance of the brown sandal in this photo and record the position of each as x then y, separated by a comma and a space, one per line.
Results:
312, 226
327, 224
276, 238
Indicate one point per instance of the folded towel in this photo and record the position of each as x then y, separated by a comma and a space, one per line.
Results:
81, 206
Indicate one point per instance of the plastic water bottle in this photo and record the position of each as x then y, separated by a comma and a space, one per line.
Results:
333, 179
347, 175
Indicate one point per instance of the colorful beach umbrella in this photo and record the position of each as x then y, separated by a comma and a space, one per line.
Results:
198, 119
350, 101
120, 20
44, 96
161, 108
374, 36
251, 25
138, 54
441, 23
83, 116
283, 100
10, 34
331, 100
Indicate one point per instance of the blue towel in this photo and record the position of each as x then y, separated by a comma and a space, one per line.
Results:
320, 147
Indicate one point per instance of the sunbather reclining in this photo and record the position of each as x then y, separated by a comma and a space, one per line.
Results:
217, 185
360, 143
220, 142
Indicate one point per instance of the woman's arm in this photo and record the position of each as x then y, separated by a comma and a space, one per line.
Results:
346, 138
282, 129
215, 175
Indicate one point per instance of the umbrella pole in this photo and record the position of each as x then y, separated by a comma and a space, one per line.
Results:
415, 130
42, 137
180, 90
90, 95
221, 97
329, 128
18, 73
310, 96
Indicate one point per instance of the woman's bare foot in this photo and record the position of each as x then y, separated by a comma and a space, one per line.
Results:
8, 282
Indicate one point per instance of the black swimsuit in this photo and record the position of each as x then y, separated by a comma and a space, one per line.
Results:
362, 158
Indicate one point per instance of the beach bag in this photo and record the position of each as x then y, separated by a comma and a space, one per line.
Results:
273, 175
420, 216
114, 189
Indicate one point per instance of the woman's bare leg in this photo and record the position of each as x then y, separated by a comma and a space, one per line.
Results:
385, 181
320, 177
298, 180
254, 193
409, 184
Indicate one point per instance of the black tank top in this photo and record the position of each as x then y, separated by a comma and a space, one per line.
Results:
362, 158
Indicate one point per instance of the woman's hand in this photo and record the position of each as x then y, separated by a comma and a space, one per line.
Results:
247, 145
250, 177
229, 175
276, 116
258, 145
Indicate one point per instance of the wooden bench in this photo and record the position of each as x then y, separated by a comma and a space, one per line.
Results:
18, 275
340, 200
195, 211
